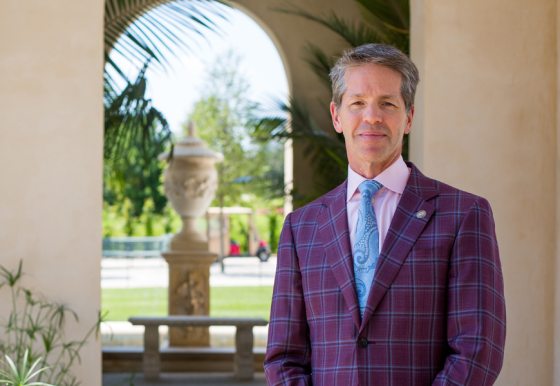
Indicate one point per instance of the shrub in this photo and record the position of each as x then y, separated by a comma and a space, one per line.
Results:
34, 333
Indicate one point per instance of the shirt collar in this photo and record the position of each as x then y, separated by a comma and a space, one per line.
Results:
393, 178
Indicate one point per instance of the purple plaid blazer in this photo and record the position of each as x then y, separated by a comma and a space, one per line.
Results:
436, 310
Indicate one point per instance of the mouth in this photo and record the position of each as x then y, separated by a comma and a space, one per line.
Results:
371, 135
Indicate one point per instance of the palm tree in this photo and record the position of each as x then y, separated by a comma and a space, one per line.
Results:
143, 33
384, 21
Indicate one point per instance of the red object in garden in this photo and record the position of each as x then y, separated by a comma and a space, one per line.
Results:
234, 249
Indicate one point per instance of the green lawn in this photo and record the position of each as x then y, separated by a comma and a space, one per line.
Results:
121, 303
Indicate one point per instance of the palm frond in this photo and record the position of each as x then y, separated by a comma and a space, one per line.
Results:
390, 26
393, 14
353, 33
129, 117
146, 29
135, 134
323, 148
320, 63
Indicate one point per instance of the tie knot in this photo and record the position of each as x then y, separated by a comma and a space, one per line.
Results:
369, 188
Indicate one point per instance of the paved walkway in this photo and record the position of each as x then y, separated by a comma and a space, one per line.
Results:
153, 272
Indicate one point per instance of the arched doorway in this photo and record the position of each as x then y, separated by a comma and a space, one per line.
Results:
264, 79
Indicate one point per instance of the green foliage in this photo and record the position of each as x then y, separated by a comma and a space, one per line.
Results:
384, 21
275, 221
224, 118
120, 303
326, 151
24, 374
135, 135
268, 224
137, 33
118, 222
34, 332
252, 173
239, 231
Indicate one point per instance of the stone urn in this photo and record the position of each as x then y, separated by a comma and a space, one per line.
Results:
190, 182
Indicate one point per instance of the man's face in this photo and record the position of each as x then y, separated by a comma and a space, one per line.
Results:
372, 117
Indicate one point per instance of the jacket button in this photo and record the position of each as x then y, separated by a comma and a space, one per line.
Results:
362, 342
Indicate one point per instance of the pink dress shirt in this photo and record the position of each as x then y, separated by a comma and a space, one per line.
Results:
385, 202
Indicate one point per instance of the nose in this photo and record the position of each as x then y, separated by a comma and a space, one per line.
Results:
372, 114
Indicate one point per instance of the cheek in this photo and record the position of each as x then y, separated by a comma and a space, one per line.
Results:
400, 127
342, 123
351, 119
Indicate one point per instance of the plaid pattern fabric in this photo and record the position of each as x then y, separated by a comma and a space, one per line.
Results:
435, 313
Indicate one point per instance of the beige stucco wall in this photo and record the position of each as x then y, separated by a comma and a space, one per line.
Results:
51, 131
557, 271
487, 123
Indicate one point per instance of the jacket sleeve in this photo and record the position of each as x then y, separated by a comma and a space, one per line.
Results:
287, 359
476, 320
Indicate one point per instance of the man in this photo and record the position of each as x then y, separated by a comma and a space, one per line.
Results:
391, 281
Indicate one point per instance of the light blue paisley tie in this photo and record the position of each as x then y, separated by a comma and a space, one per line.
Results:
366, 244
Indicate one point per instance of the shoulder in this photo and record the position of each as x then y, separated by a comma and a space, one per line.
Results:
445, 195
310, 211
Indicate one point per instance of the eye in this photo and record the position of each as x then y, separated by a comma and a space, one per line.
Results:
356, 103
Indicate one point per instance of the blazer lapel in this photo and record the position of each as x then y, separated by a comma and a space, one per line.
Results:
335, 236
411, 216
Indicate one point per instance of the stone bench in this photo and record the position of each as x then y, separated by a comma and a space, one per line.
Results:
243, 358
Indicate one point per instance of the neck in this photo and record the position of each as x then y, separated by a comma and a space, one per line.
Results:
373, 169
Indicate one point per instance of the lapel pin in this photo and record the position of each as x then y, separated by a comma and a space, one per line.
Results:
421, 214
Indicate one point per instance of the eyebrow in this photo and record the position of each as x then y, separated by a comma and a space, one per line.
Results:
387, 96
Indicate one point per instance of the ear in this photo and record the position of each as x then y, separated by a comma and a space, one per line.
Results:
409, 117
335, 118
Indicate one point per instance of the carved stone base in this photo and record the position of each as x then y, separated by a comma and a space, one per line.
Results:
189, 294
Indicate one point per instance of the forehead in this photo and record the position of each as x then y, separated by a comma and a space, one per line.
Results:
372, 79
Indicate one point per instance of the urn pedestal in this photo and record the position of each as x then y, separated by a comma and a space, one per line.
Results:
189, 289
190, 182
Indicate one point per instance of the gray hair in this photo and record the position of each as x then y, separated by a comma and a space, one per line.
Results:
381, 54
